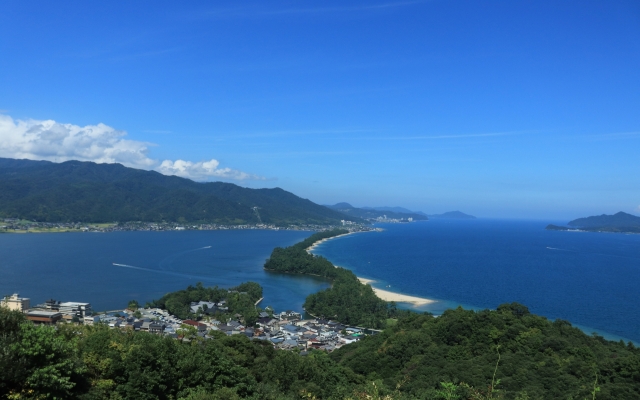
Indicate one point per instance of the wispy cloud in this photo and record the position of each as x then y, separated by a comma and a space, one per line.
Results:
285, 133
260, 11
462, 136
144, 54
342, 9
53, 141
615, 135
156, 131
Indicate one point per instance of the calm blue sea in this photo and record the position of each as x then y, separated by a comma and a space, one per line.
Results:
79, 266
589, 279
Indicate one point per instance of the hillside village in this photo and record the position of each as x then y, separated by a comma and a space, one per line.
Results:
14, 225
286, 330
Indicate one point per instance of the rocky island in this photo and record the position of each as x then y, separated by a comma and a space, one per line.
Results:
620, 222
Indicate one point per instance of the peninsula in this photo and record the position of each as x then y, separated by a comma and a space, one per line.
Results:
382, 294
620, 222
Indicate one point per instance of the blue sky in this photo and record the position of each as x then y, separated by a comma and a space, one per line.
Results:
514, 109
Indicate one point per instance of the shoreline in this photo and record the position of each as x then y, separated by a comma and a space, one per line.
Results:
319, 242
387, 295
382, 294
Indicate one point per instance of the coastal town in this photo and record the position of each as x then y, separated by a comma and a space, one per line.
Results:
286, 330
13, 225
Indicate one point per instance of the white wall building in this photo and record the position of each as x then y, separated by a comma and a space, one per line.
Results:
72, 308
16, 303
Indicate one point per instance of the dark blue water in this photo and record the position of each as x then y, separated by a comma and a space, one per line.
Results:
79, 266
589, 279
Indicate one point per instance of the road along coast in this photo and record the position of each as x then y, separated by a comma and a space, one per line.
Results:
382, 294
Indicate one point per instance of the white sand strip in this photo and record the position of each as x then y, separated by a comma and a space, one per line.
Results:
397, 297
319, 242
382, 294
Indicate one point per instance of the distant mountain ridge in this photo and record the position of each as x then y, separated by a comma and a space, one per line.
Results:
620, 222
76, 191
371, 213
395, 212
452, 215
400, 210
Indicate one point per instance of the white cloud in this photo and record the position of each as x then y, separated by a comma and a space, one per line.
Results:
201, 170
53, 141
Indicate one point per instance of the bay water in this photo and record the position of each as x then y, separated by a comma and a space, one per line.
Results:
589, 279
80, 266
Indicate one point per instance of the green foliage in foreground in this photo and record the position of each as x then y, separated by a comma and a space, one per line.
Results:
455, 356
100, 363
347, 301
539, 359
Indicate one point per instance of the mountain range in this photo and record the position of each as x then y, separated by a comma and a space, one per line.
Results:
370, 213
76, 191
452, 215
619, 222
394, 213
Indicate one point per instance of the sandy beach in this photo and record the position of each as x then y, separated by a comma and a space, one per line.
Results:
397, 297
319, 242
382, 294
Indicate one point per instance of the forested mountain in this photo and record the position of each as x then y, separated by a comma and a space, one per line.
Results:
88, 192
370, 213
619, 222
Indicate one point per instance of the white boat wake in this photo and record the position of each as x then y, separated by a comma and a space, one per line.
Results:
167, 261
158, 271
555, 248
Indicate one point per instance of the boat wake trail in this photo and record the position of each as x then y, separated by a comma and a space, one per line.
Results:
163, 272
167, 261
555, 248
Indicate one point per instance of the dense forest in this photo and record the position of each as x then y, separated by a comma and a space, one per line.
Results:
503, 354
75, 191
524, 355
239, 300
347, 300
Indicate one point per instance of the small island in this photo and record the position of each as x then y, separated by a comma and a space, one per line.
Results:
452, 215
620, 222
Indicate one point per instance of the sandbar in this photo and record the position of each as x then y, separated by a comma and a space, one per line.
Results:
382, 294
319, 242
397, 297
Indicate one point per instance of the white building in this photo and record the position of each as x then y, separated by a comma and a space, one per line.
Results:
76, 309
16, 303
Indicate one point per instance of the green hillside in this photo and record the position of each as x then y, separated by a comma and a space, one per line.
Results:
620, 222
89, 192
